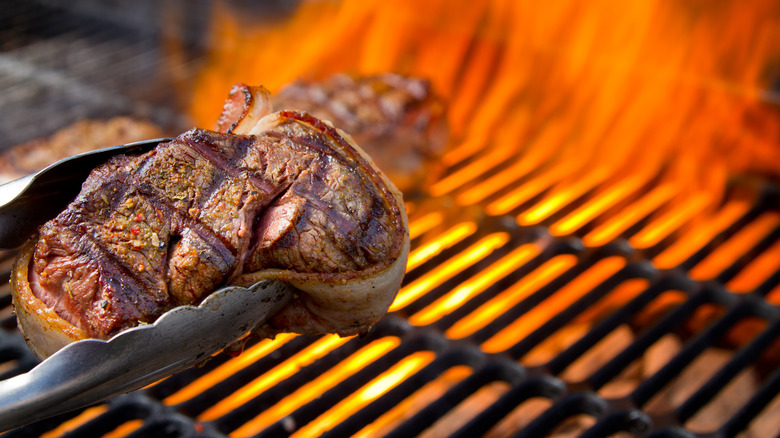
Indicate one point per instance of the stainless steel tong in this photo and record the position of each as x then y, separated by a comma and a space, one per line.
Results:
28, 202
89, 371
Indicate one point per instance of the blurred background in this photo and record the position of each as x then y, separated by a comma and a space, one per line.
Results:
595, 242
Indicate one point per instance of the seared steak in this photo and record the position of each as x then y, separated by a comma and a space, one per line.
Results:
295, 201
397, 119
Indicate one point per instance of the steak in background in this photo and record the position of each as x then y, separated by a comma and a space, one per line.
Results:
82, 136
397, 120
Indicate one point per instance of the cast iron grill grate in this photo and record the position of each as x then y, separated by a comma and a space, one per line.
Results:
505, 325
577, 384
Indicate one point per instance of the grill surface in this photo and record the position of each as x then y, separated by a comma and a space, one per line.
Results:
630, 322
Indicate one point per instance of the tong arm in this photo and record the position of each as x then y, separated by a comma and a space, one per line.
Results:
28, 202
91, 370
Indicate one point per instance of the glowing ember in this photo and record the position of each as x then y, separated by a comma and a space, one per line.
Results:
553, 305
441, 273
261, 383
607, 122
318, 386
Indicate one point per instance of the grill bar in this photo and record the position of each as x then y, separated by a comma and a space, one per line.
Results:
741, 359
543, 295
753, 407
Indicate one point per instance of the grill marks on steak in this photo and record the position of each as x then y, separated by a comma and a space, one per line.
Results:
302, 222
397, 119
87, 267
152, 232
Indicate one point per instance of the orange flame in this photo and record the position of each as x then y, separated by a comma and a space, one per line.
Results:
644, 110
671, 88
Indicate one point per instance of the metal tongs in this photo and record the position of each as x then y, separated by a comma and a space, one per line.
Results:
89, 371
28, 202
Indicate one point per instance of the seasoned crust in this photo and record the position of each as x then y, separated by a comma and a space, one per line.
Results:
130, 199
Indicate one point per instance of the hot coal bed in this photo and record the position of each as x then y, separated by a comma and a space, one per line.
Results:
608, 314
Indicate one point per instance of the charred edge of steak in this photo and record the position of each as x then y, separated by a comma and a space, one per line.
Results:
238, 102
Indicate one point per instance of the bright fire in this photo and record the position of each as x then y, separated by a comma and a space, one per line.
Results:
647, 109
676, 89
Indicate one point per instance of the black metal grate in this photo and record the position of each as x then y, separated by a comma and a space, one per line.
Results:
443, 362
583, 404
